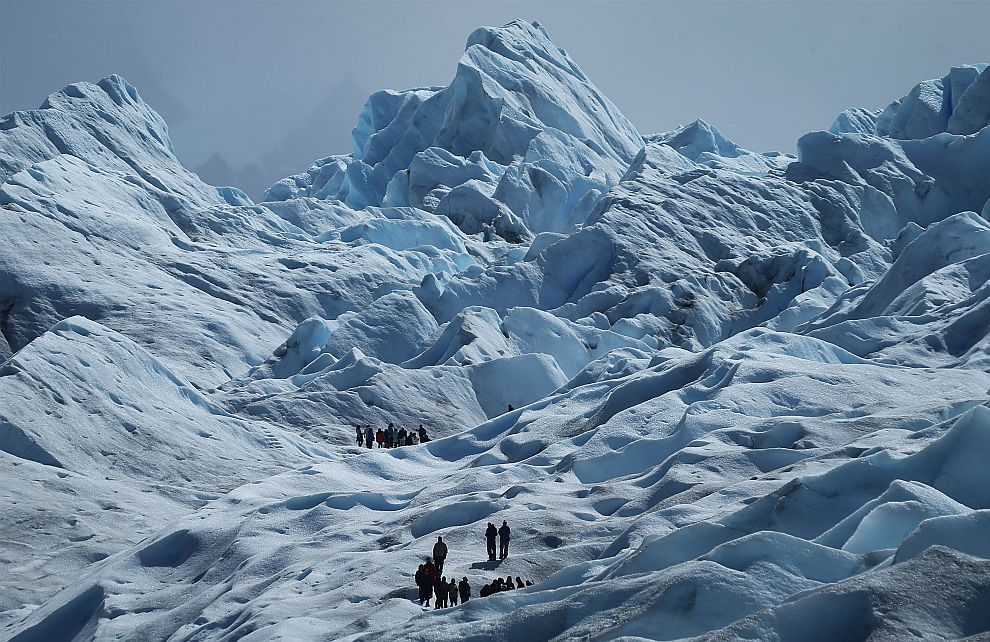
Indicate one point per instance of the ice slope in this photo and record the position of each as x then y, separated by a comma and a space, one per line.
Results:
683, 539
929, 308
92, 423
685, 255
204, 289
749, 391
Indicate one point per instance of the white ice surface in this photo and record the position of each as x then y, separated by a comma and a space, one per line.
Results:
749, 391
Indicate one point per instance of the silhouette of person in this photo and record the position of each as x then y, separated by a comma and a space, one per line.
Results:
503, 540
490, 534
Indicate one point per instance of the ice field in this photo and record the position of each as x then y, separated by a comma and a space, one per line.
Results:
749, 391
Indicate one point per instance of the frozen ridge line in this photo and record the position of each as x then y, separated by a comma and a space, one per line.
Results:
749, 390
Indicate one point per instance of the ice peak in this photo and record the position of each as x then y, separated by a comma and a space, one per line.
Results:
521, 41
957, 103
696, 138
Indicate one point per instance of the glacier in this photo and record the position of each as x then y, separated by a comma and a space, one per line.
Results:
718, 394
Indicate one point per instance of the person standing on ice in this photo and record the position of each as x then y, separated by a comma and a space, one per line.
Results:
452, 592
360, 437
423, 437
465, 590
369, 436
421, 584
439, 553
429, 578
440, 588
380, 438
490, 534
402, 437
503, 540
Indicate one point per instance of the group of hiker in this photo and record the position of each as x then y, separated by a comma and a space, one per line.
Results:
390, 437
432, 583
498, 585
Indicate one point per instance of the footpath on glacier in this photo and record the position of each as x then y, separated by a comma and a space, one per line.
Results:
748, 390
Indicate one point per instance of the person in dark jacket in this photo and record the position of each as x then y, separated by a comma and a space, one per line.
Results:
519, 582
369, 436
490, 534
423, 437
485, 591
440, 588
465, 590
508, 583
360, 437
428, 576
402, 437
439, 553
452, 592
420, 584
503, 540
529, 582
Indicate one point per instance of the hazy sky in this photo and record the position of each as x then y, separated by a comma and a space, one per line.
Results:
277, 84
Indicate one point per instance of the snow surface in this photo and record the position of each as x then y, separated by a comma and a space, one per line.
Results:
748, 391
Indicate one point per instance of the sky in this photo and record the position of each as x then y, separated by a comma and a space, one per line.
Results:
254, 90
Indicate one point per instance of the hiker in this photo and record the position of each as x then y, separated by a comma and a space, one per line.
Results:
395, 437
452, 592
420, 583
485, 591
402, 437
465, 590
440, 588
428, 571
380, 438
519, 582
360, 437
411, 439
388, 436
511, 408
490, 534
508, 583
439, 553
369, 437
529, 582
423, 437
503, 540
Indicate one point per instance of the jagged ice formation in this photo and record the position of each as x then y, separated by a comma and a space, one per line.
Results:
750, 389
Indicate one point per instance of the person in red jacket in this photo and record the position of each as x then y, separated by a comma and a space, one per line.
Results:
429, 579
380, 438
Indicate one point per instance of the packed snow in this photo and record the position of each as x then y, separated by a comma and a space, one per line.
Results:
717, 394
